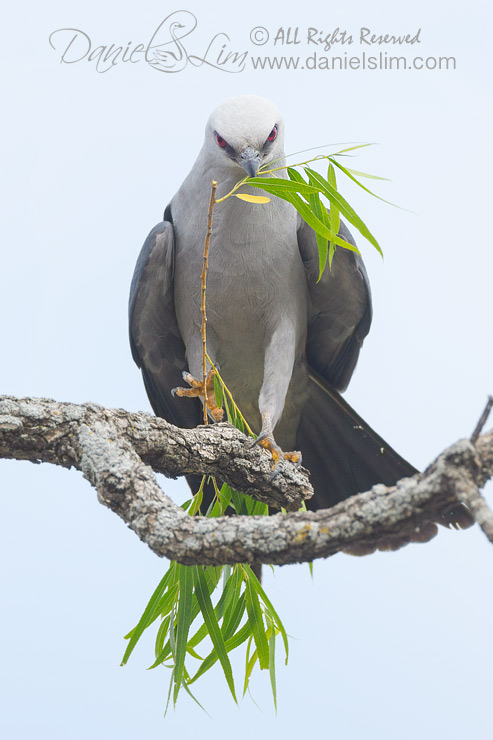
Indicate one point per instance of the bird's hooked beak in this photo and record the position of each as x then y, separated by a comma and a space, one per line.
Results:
250, 159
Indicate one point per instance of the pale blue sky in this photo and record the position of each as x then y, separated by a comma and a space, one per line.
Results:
390, 646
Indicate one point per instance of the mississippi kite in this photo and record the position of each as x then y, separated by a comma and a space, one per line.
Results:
286, 345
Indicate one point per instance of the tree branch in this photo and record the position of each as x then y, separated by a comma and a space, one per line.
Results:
47, 431
117, 452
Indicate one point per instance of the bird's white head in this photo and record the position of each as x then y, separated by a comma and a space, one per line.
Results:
246, 131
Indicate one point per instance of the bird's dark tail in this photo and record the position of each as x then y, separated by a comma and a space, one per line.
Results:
345, 456
342, 452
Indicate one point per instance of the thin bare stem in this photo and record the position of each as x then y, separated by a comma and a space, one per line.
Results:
233, 191
482, 421
298, 164
261, 171
323, 146
228, 392
480, 511
202, 304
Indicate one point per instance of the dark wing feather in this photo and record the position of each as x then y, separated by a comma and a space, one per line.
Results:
155, 339
340, 309
343, 453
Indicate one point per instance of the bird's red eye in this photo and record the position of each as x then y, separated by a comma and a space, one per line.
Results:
272, 134
220, 140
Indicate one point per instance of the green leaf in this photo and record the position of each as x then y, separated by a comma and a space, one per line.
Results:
214, 509
295, 176
249, 665
224, 496
239, 503
169, 694
233, 618
160, 638
321, 213
249, 503
253, 580
257, 624
228, 570
183, 622
192, 652
279, 186
236, 419
341, 203
151, 612
307, 214
315, 223
260, 509
272, 664
200, 635
335, 221
218, 391
172, 642
225, 597
221, 608
221, 502
212, 576
352, 148
234, 416
288, 190
228, 413
239, 422
167, 650
365, 174
350, 175
234, 642
205, 603
185, 686
197, 499
168, 599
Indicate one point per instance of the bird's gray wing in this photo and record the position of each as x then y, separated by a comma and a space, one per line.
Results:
155, 339
340, 310
343, 453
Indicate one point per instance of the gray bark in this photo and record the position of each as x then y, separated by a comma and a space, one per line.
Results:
118, 451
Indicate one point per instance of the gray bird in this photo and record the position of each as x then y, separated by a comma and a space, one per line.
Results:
286, 345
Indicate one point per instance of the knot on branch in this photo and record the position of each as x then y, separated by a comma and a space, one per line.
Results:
461, 459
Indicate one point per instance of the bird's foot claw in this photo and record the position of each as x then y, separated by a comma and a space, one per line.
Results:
294, 457
267, 441
199, 388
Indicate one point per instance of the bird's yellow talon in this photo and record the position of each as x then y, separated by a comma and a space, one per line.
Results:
269, 444
199, 388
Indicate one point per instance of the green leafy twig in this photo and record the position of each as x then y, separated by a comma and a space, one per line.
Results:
184, 600
305, 192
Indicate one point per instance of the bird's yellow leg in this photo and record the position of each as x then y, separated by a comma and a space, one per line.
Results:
199, 388
266, 440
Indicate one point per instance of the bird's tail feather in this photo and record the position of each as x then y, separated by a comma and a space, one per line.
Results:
346, 456
342, 452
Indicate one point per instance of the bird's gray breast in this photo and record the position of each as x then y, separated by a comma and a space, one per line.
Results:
255, 281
